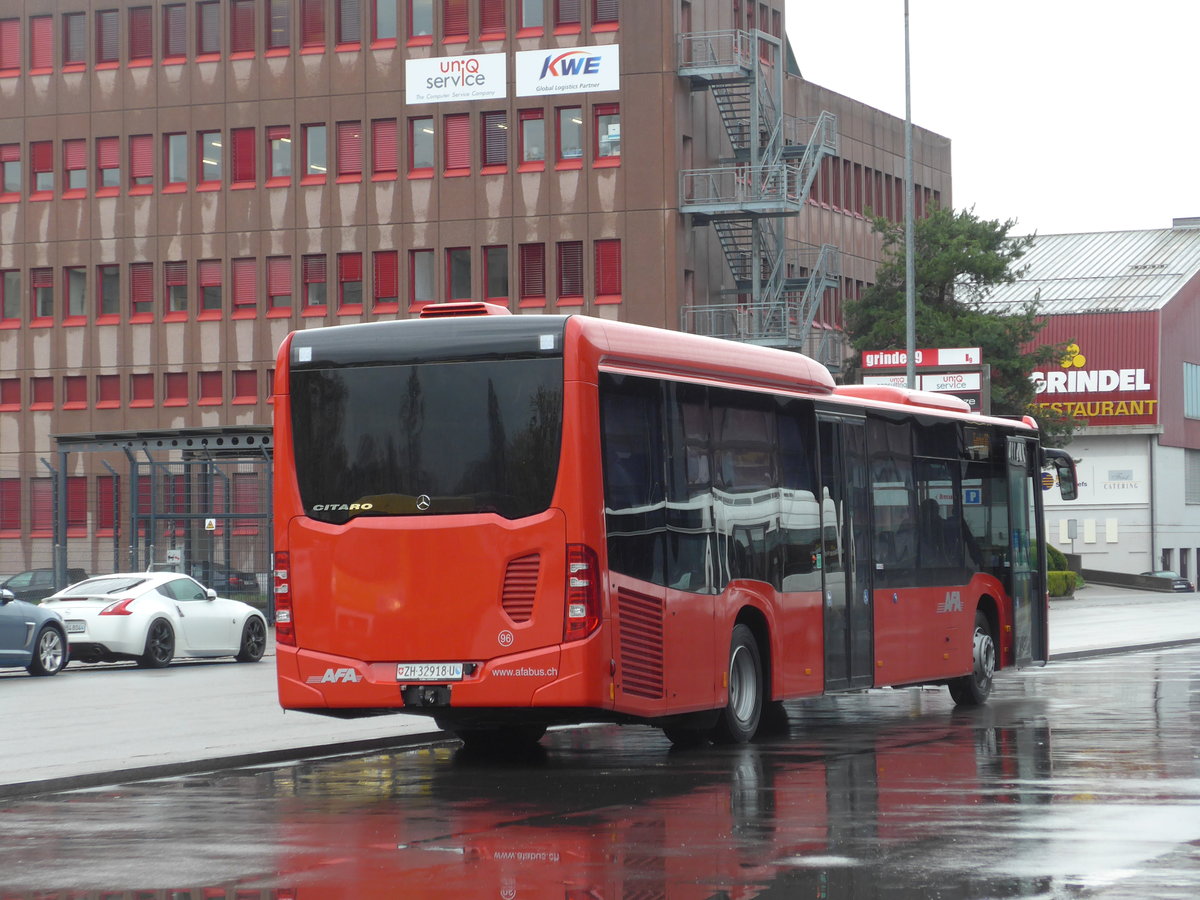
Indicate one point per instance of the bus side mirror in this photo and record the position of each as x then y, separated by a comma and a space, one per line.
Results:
1064, 468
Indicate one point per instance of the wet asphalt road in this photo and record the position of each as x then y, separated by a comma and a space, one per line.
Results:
1077, 780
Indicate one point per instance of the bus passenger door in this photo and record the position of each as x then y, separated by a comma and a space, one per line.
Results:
1026, 543
846, 561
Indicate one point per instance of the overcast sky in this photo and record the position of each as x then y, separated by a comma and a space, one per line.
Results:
1066, 115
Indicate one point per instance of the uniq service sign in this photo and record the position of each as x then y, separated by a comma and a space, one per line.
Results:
479, 77
568, 71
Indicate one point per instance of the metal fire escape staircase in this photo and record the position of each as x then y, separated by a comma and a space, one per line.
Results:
747, 199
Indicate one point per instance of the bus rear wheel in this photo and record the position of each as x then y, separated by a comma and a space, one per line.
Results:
738, 721
974, 689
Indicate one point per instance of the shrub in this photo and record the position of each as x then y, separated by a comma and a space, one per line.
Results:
1060, 584
1056, 560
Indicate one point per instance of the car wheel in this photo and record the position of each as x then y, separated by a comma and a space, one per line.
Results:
160, 645
50, 653
254, 640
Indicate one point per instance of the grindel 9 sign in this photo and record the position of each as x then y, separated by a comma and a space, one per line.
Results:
1108, 374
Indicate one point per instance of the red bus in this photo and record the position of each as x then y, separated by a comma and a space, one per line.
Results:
510, 522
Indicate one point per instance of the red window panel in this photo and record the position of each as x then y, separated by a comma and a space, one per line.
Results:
312, 24
10, 46
566, 12
107, 488
108, 164
141, 34
349, 21
608, 270
454, 20
241, 27
456, 132
108, 391
108, 37
174, 32
10, 169
210, 388
245, 386
74, 153
74, 391
141, 288
74, 39
491, 18
495, 138
386, 277
570, 272
41, 285
245, 502
141, 160
41, 44
349, 151
279, 282
313, 277
605, 11
244, 272
42, 393
383, 147
141, 389
175, 281
41, 505
77, 503
242, 153
175, 389
10, 393
350, 269
208, 280
532, 261
10, 504
41, 165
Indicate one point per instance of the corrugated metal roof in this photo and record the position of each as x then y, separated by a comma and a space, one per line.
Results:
1111, 271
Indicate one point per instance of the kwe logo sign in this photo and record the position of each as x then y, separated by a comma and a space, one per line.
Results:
560, 71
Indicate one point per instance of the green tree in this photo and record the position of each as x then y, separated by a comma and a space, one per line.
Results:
958, 258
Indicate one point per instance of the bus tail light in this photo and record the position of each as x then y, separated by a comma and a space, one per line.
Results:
583, 592
285, 630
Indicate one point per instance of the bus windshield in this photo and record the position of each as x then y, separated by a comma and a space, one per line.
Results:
433, 438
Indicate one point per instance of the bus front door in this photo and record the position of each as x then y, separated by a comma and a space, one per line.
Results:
846, 561
1026, 554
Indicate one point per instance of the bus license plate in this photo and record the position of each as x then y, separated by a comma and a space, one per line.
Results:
408, 672
75, 626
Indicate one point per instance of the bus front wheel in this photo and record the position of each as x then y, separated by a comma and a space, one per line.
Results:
738, 721
974, 689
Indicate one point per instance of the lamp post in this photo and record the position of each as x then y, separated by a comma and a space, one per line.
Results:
910, 278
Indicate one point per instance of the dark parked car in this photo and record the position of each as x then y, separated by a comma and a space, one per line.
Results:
33, 585
31, 636
224, 580
1178, 582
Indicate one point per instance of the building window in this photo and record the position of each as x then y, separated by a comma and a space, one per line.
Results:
74, 393
209, 146
454, 21
41, 166
316, 166
495, 274
570, 135
10, 169
175, 389
10, 294
420, 286
608, 271
141, 289
41, 44
108, 165
211, 389
495, 139
141, 162
108, 391
386, 279
566, 15
608, 133
279, 25
456, 134
41, 506
458, 273
141, 389
10, 394
279, 152
10, 46
108, 37
349, 22
245, 386
241, 149
313, 275
107, 489
108, 277
420, 21
76, 282
10, 503
349, 151
208, 280
141, 35
349, 282
243, 272
383, 148
41, 283
241, 27
174, 33
74, 40
312, 25
75, 166
532, 262
533, 139
605, 12
420, 146
491, 19
279, 282
570, 273
175, 159
41, 392
384, 20
1191, 391
175, 285
208, 28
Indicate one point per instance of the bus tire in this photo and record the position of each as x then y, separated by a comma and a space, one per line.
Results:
974, 689
499, 739
738, 721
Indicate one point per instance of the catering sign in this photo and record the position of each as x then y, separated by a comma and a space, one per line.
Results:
482, 76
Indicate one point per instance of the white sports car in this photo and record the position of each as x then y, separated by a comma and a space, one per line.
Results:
153, 617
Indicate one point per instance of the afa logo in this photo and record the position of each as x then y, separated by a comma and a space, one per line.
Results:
952, 604
335, 676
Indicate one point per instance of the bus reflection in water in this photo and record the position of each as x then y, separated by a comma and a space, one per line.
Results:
511, 522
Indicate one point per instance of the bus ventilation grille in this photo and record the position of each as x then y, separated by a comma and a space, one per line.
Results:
520, 587
641, 636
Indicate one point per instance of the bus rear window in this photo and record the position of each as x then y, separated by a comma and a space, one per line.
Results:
437, 438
